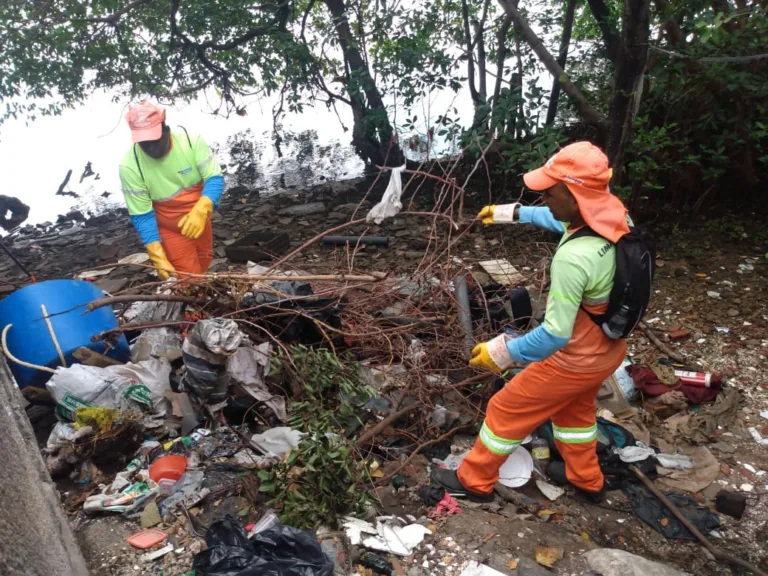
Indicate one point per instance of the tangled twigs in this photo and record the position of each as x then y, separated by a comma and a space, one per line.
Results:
137, 327
322, 235
110, 300
391, 419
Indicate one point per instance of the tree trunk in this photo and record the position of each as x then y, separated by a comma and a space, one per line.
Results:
517, 84
470, 54
588, 112
480, 40
562, 57
603, 16
501, 57
627, 87
372, 133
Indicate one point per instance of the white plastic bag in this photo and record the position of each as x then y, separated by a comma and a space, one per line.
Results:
64, 434
390, 204
156, 343
278, 441
155, 374
126, 386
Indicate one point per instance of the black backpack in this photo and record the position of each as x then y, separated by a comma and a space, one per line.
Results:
631, 292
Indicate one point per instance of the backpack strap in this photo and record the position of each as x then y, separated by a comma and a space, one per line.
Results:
584, 232
188, 139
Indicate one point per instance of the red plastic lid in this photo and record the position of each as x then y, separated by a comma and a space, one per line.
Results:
146, 538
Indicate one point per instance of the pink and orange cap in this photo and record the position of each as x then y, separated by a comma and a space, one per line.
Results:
145, 120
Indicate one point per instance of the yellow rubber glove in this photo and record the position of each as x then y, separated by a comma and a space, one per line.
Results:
482, 359
163, 266
193, 224
486, 214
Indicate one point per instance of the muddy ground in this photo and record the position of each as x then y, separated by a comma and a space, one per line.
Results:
711, 280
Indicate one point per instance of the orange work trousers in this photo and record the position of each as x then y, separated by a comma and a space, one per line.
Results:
186, 254
543, 390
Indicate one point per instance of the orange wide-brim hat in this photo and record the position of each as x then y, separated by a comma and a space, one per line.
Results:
584, 169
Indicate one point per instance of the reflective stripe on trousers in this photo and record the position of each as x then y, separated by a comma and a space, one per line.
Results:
497, 444
575, 435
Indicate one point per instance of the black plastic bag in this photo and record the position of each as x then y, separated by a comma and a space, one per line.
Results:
279, 551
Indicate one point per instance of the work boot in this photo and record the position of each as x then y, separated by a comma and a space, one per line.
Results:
556, 473
449, 480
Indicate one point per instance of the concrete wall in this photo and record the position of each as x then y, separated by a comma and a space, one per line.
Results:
35, 537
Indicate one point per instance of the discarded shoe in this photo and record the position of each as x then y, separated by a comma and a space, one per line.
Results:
449, 480
556, 473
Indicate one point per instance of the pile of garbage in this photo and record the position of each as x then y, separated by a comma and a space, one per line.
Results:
286, 419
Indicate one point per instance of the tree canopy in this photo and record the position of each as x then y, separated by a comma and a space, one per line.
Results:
674, 90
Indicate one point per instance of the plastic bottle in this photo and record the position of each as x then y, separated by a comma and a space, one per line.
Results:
268, 520
540, 453
702, 379
614, 327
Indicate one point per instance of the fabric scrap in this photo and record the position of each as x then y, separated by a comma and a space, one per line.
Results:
667, 404
651, 511
448, 506
704, 470
631, 454
649, 384
703, 426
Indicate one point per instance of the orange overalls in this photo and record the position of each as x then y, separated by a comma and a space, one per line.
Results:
186, 255
545, 390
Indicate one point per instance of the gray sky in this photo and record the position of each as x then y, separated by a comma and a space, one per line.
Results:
37, 155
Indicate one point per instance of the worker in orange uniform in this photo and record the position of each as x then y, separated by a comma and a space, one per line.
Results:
171, 183
568, 356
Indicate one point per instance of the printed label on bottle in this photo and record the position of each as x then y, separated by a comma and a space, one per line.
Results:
541, 453
696, 378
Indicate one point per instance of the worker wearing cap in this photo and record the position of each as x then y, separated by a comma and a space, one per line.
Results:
171, 183
568, 356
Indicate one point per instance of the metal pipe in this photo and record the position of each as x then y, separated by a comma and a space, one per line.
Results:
464, 312
356, 240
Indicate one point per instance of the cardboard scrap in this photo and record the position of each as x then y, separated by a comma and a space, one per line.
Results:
502, 272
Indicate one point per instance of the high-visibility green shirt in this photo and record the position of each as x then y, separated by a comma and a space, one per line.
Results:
188, 163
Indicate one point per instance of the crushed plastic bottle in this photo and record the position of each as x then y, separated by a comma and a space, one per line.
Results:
541, 455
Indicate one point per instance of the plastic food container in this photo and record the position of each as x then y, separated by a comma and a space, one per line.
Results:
166, 485
146, 538
169, 467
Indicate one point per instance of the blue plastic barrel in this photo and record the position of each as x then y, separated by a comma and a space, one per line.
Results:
30, 340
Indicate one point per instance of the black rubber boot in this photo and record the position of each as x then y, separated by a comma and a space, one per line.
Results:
449, 480
556, 473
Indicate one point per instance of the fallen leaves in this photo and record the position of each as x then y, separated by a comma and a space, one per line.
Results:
548, 555
513, 564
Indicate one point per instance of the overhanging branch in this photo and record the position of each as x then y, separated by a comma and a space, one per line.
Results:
588, 112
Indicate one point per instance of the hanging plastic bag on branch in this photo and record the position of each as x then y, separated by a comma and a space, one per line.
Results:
390, 204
